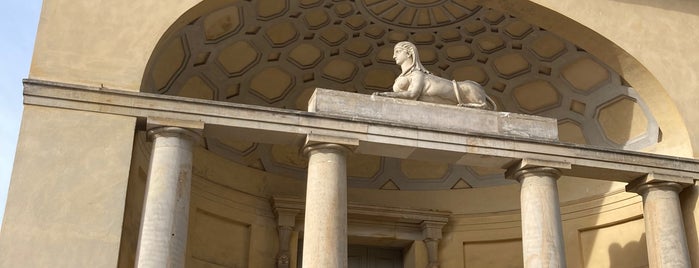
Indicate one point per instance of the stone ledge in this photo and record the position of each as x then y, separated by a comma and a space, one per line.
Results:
431, 116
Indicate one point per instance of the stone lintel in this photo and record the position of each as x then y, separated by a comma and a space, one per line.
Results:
651, 178
438, 117
528, 163
373, 213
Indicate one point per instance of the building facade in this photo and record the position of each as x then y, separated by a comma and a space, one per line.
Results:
182, 135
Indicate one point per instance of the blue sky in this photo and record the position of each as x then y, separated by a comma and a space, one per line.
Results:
18, 27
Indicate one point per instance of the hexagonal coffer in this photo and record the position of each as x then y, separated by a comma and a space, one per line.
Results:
238, 58
272, 84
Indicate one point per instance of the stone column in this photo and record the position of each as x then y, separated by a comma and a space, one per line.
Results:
163, 236
325, 224
665, 234
542, 233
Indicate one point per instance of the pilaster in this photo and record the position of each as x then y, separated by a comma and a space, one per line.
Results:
286, 221
432, 231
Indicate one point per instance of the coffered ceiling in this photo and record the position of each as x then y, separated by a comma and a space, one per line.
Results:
275, 53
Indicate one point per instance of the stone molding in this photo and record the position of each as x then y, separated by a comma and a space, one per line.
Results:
366, 212
380, 215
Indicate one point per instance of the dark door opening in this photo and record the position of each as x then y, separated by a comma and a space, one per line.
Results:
374, 257
359, 256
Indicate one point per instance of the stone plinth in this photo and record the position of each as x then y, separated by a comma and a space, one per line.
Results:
431, 116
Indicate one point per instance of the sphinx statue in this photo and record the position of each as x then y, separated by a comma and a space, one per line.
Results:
417, 83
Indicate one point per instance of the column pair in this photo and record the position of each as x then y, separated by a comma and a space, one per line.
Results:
163, 236
325, 224
542, 238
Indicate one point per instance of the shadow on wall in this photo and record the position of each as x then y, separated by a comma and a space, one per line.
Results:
628, 255
684, 6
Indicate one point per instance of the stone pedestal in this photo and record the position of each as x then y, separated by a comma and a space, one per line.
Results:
325, 227
665, 234
163, 236
542, 235
447, 118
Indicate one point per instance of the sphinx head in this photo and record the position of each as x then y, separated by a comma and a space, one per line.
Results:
407, 52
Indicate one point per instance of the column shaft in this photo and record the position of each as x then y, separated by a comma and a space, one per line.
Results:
163, 236
665, 235
325, 226
542, 235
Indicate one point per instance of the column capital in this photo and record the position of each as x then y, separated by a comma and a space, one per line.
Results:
658, 181
158, 126
286, 216
316, 141
530, 166
432, 229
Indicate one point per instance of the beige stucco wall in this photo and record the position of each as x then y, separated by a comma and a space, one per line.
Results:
100, 42
66, 199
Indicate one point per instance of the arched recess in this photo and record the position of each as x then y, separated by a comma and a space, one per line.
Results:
529, 58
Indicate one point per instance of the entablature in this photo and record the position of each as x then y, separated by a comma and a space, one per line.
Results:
404, 141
